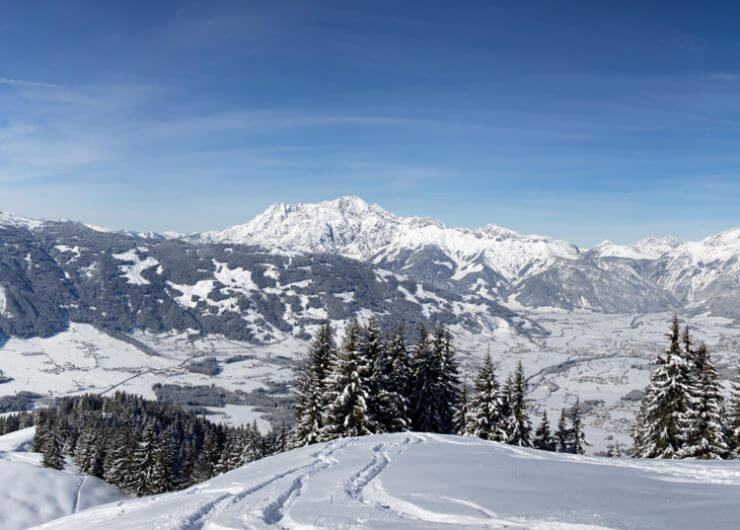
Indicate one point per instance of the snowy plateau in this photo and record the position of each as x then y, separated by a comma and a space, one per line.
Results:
86, 309
424, 481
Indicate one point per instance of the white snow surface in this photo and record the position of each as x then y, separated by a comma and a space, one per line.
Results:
31, 494
423, 481
16, 221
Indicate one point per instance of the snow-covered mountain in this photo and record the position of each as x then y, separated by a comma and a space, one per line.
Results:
655, 274
420, 481
351, 227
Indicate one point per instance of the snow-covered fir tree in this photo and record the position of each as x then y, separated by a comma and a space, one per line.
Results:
402, 369
388, 408
733, 420
669, 398
461, 412
702, 424
310, 389
162, 478
519, 428
117, 465
425, 384
143, 464
449, 383
208, 457
543, 439
576, 437
484, 418
347, 411
53, 457
561, 434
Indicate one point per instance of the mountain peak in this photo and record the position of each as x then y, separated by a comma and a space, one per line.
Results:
17, 221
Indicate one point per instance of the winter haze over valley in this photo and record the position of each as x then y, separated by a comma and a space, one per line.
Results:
324, 265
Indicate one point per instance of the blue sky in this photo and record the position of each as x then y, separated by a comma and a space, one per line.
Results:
579, 120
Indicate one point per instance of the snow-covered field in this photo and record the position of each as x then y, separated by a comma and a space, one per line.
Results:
599, 357
430, 481
31, 494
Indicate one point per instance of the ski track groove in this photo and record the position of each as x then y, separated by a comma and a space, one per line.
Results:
198, 519
78, 493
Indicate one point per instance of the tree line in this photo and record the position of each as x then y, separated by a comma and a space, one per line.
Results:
375, 383
142, 446
683, 413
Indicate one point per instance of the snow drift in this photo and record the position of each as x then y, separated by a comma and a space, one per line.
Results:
31, 494
411, 480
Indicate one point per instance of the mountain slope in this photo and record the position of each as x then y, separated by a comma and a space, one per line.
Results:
426, 481
60, 272
655, 274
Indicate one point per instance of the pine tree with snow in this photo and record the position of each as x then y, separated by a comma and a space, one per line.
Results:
208, 457
702, 424
143, 464
733, 420
309, 394
53, 457
506, 399
669, 400
542, 437
638, 428
484, 418
163, 476
89, 453
449, 377
347, 411
519, 429
401, 372
117, 466
321, 352
461, 412
388, 409
249, 446
576, 437
371, 355
561, 435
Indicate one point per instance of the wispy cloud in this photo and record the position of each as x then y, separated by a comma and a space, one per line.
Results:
25, 84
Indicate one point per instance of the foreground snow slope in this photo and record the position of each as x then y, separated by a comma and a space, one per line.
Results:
31, 494
428, 481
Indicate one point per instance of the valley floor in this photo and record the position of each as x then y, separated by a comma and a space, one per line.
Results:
417, 481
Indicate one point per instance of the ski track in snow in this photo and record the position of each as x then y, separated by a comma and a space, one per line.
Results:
340, 485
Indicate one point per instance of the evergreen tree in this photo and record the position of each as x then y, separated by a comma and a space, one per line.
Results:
425, 384
542, 438
208, 457
561, 435
449, 384
436, 382
484, 419
347, 411
576, 437
506, 399
310, 389
461, 412
89, 453
638, 428
389, 408
519, 430
402, 369
670, 399
53, 457
703, 428
143, 464
117, 466
163, 476
734, 412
